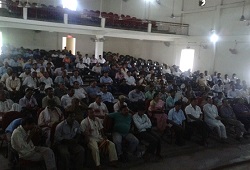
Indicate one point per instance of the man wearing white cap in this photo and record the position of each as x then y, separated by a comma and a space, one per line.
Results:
121, 102
50, 96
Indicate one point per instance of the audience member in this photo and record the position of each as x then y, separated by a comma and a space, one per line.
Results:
99, 107
28, 101
119, 103
195, 120
144, 125
67, 98
50, 116
31, 81
75, 77
50, 96
121, 130
67, 136
213, 119
177, 119
157, 110
22, 143
79, 108
242, 112
80, 93
92, 129
228, 116
13, 85
5, 104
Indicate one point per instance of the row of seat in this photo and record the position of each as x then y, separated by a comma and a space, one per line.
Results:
56, 14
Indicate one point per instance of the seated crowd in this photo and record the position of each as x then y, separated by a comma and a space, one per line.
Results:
76, 104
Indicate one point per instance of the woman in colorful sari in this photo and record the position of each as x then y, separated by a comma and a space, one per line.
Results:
157, 110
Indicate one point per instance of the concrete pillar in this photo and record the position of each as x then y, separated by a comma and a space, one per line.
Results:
149, 27
25, 13
98, 46
65, 18
103, 22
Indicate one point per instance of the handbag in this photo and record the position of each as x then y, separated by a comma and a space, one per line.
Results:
103, 146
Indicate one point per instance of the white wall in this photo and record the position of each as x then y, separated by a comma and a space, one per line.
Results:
44, 40
230, 63
154, 50
30, 39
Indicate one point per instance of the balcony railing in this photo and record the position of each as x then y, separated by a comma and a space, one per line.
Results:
92, 18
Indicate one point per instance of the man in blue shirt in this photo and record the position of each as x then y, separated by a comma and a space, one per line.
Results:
107, 81
75, 77
92, 91
107, 98
177, 118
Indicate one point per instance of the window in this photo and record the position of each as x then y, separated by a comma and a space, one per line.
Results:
187, 59
70, 4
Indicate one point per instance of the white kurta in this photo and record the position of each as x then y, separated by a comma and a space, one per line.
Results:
210, 113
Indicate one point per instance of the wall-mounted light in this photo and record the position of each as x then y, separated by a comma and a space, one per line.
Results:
214, 37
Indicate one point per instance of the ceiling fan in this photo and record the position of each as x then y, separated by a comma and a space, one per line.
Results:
172, 15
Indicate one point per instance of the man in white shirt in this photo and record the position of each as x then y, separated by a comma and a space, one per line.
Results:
208, 77
121, 102
59, 71
93, 60
67, 98
92, 129
97, 69
101, 60
49, 117
218, 87
99, 107
147, 78
213, 120
45, 62
86, 59
35, 68
22, 143
47, 80
13, 85
31, 81
80, 93
202, 82
234, 78
144, 125
25, 74
233, 93
195, 120
81, 65
166, 70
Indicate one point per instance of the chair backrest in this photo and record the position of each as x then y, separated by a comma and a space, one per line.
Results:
108, 124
